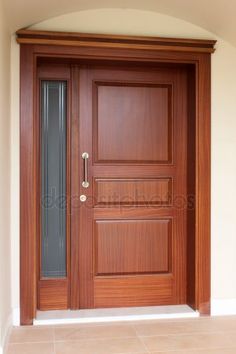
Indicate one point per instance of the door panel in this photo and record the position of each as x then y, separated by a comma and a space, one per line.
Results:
133, 291
132, 191
132, 246
126, 116
132, 241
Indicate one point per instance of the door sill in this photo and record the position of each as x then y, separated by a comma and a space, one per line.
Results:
114, 314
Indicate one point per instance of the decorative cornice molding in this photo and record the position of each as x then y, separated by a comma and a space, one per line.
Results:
25, 36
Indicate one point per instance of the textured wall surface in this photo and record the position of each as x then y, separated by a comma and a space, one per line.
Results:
5, 269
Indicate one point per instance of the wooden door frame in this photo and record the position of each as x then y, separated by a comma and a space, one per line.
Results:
74, 46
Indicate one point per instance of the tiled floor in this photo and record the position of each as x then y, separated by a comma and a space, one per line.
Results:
190, 336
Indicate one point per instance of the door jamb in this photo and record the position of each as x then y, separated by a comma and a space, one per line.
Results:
35, 45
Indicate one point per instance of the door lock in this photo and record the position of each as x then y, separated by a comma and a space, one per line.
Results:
83, 198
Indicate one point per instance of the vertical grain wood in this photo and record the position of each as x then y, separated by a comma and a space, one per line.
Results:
75, 188
68, 190
167, 103
180, 235
85, 240
28, 190
203, 187
191, 187
53, 294
28, 167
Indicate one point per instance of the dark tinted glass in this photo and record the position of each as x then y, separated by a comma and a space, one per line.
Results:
53, 179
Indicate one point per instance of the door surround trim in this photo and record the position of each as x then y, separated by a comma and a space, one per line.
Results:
38, 44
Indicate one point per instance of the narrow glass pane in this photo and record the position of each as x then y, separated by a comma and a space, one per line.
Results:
53, 179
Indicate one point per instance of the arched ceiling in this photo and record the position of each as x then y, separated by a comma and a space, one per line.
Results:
216, 16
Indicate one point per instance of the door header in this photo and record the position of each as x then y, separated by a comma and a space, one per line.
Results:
25, 36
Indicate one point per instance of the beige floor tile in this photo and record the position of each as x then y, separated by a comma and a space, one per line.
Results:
80, 332
101, 346
31, 348
182, 327
96, 324
187, 336
188, 342
31, 334
214, 324
201, 351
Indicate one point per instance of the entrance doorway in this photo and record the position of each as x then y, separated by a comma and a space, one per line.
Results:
120, 147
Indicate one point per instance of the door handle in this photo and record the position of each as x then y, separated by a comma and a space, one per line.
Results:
85, 182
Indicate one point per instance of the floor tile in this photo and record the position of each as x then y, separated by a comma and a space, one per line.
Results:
31, 334
200, 351
209, 335
187, 342
31, 348
92, 332
182, 327
101, 346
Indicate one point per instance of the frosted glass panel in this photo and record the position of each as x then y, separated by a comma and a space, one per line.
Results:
53, 179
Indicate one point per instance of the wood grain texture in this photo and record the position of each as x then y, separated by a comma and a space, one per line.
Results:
109, 55
180, 197
132, 247
28, 188
133, 291
54, 72
203, 188
111, 49
85, 237
126, 115
68, 186
75, 190
118, 41
119, 235
191, 187
53, 294
133, 191
130, 212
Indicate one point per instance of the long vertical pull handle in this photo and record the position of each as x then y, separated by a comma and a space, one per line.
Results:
85, 182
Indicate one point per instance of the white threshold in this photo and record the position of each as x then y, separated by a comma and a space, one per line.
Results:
114, 314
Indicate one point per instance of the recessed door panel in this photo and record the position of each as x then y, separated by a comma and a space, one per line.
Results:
128, 115
132, 247
147, 191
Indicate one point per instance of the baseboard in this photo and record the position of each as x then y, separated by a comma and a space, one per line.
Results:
16, 317
221, 307
6, 333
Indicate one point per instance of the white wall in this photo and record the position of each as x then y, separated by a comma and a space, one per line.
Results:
138, 22
5, 289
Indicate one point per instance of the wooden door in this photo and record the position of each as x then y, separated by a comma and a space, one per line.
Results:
76, 282
129, 236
